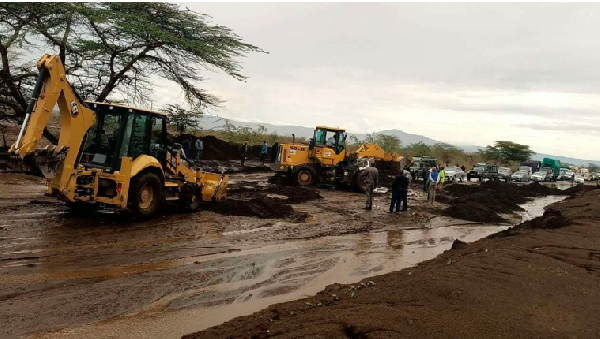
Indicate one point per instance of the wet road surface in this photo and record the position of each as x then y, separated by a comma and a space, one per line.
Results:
101, 276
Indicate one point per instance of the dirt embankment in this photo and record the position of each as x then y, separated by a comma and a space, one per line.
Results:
537, 280
482, 203
267, 202
217, 149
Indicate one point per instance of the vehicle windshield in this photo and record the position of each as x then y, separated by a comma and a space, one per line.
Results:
478, 168
102, 139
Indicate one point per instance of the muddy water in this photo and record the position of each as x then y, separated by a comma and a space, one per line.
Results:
260, 276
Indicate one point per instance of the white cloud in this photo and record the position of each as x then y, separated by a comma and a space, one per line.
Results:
462, 73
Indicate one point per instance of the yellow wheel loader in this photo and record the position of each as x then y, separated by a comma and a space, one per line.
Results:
325, 160
108, 154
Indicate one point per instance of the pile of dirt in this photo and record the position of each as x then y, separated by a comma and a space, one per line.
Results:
481, 203
472, 211
295, 194
217, 149
262, 207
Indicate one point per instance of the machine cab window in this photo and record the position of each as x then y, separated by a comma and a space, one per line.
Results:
120, 131
331, 138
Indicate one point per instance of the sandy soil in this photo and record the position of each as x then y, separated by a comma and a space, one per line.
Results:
537, 280
102, 276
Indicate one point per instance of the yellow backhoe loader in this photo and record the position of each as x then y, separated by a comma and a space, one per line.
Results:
326, 160
108, 154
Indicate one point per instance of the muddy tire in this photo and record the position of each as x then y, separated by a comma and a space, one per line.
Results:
190, 198
357, 184
81, 208
145, 195
305, 177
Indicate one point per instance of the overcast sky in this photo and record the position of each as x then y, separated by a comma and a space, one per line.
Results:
460, 73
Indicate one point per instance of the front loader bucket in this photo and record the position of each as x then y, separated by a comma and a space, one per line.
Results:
214, 186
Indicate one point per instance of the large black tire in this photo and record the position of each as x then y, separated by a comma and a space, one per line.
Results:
357, 184
145, 195
190, 198
468, 178
305, 176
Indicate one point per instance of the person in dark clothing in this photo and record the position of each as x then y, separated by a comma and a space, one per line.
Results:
274, 151
244, 153
463, 168
425, 178
370, 176
187, 148
399, 193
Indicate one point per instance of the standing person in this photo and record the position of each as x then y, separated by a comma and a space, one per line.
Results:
274, 151
187, 145
199, 148
244, 153
426, 173
463, 168
263, 151
442, 176
399, 193
434, 178
370, 176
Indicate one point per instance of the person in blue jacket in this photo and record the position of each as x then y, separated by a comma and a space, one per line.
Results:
263, 151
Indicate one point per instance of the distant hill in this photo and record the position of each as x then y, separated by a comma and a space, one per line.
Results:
215, 122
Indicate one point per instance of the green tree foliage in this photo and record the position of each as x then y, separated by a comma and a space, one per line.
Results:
182, 118
417, 149
593, 167
115, 50
506, 151
446, 153
389, 143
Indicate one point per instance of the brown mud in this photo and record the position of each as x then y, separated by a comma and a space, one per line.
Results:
102, 276
536, 280
484, 202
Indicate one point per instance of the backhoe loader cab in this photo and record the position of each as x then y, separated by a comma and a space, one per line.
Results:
122, 131
108, 154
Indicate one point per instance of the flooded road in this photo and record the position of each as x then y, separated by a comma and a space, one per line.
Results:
102, 277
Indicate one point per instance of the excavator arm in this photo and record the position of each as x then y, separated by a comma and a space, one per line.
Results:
52, 88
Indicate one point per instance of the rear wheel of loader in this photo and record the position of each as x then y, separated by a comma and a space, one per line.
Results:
358, 184
190, 198
305, 177
145, 195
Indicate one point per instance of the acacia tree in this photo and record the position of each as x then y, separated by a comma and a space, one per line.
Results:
506, 151
113, 51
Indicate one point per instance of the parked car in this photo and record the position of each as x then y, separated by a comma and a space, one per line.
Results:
504, 173
542, 175
454, 173
493, 172
579, 179
476, 171
521, 176
565, 175
421, 166
528, 169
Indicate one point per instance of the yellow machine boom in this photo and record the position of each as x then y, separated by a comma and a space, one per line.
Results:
108, 154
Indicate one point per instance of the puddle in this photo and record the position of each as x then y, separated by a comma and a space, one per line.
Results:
259, 277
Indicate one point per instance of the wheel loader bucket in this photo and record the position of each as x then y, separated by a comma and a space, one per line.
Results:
214, 186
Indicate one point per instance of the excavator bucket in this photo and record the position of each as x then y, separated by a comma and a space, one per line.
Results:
213, 186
